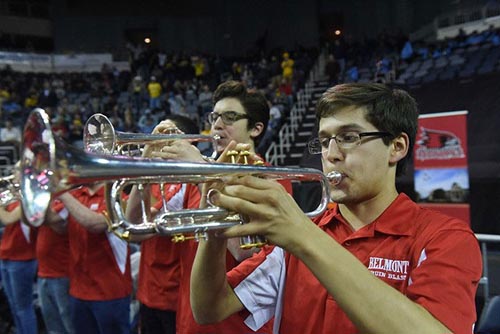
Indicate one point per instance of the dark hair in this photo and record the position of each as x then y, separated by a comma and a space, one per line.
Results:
391, 110
254, 103
185, 124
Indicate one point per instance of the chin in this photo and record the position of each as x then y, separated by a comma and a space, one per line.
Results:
337, 196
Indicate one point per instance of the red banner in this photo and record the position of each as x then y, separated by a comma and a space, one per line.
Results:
440, 159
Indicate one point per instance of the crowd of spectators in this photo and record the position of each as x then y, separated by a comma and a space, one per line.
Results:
157, 84
387, 54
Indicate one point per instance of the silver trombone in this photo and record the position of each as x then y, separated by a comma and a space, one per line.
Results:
50, 167
100, 136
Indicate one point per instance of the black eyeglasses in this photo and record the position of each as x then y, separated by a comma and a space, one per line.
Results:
344, 140
228, 117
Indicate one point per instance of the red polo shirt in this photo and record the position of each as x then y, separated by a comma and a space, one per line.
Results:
52, 253
159, 269
18, 240
431, 258
95, 264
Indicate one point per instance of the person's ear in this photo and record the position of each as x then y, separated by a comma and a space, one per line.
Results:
257, 129
399, 148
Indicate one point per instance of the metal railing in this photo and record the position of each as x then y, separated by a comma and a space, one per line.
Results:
277, 151
484, 240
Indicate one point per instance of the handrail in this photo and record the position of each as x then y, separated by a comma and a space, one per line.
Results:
277, 151
484, 239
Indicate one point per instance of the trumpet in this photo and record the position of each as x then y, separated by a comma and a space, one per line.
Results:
9, 190
100, 136
50, 167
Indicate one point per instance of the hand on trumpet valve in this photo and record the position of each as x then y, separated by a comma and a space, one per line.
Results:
265, 208
240, 154
164, 127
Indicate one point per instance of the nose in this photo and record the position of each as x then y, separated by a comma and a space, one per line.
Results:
333, 152
218, 124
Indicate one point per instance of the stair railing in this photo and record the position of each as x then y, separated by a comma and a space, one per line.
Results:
277, 151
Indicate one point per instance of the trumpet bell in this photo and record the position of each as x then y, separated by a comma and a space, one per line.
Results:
99, 135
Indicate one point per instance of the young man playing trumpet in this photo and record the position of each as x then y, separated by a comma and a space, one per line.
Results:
239, 116
159, 268
375, 262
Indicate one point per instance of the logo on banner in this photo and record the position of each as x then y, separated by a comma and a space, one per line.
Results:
438, 145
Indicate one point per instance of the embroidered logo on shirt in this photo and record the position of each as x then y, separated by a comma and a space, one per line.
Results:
389, 268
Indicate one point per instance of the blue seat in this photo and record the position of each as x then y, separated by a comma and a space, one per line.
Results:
489, 323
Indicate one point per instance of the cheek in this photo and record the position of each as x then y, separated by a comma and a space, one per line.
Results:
238, 133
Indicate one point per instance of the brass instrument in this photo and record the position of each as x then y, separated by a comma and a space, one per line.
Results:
99, 136
50, 167
9, 190
334, 177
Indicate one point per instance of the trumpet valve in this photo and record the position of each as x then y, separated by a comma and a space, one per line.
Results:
244, 155
176, 238
233, 154
200, 236
251, 241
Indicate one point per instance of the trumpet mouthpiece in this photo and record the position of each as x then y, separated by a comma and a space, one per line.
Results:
334, 177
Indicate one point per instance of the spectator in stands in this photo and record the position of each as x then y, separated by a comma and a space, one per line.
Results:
339, 51
275, 120
287, 65
376, 261
262, 74
285, 91
129, 123
205, 100
199, 67
384, 71
10, 133
4, 94
136, 91
176, 102
147, 122
76, 128
47, 97
332, 70
116, 119
154, 91
352, 73
31, 100
407, 51
192, 105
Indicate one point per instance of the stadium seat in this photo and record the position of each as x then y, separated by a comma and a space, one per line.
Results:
489, 323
